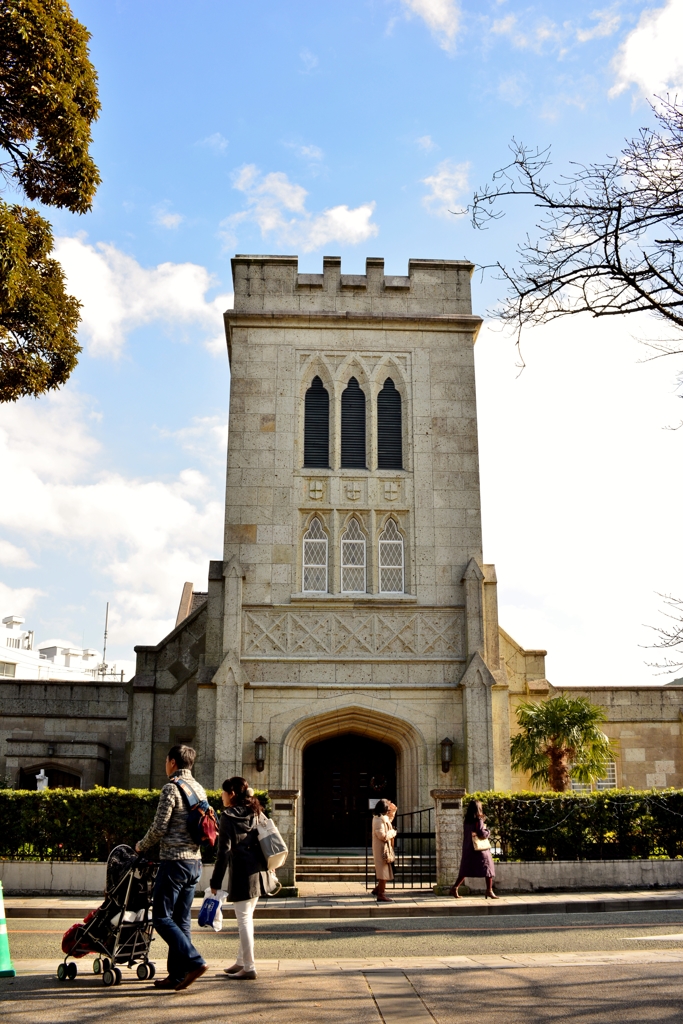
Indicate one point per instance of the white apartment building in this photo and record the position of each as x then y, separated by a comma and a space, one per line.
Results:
60, 660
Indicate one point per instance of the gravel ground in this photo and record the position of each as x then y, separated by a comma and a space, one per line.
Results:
32, 938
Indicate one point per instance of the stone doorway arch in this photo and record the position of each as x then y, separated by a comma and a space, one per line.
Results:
409, 744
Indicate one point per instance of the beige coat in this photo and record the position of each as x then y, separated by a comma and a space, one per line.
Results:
381, 832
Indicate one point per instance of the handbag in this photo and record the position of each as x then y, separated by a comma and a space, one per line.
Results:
480, 844
273, 846
388, 854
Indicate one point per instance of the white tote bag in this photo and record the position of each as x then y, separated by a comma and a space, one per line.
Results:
273, 846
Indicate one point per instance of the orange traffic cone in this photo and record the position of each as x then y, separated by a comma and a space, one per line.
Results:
6, 965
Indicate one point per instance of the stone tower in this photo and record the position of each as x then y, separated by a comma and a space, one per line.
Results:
351, 610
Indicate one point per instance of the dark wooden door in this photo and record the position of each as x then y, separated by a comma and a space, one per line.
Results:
340, 778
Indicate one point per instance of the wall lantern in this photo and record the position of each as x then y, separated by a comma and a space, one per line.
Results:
260, 744
446, 755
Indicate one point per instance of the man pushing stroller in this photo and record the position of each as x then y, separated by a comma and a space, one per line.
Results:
179, 870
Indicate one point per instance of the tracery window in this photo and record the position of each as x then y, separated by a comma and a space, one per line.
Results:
391, 560
353, 455
315, 559
353, 559
317, 426
389, 432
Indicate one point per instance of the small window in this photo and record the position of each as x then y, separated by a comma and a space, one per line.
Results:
8, 669
353, 426
609, 780
315, 559
353, 559
579, 787
391, 579
389, 431
14, 641
317, 426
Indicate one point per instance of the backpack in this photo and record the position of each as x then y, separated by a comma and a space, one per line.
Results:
202, 823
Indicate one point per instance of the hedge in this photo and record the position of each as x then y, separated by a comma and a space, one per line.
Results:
617, 824
76, 824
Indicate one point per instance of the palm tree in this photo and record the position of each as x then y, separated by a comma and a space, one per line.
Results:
559, 740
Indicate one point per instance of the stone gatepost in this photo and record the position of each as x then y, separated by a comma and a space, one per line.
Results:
283, 811
448, 827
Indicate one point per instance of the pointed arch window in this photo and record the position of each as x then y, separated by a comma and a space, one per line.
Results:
317, 426
315, 559
353, 426
353, 551
391, 560
389, 428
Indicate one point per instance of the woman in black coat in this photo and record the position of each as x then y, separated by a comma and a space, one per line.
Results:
475, 863
239, 849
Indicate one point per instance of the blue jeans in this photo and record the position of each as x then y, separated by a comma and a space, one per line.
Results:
171, 913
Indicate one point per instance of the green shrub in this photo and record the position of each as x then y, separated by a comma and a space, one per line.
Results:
76, 824
615, 824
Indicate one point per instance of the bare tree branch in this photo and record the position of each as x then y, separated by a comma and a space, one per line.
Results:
610, 238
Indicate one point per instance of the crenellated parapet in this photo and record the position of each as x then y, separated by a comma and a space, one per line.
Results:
273, 284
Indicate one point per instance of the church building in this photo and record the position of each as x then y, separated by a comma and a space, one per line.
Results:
347, 646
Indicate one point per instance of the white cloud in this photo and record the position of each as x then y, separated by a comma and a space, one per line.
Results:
442, 18
119, 295
427, 143
144, 537
446, 186
590, 526
309, 61
14, 557
215, 141
606, 21
206, 438
651, 57
307, 152
165, 218
17, 600
278, 207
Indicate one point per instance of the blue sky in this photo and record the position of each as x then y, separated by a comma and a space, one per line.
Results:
348, 129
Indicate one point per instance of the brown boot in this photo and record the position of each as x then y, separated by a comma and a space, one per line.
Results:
191, 977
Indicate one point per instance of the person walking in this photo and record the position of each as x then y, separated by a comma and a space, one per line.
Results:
179, 871
239, 849
383, 847
476, 861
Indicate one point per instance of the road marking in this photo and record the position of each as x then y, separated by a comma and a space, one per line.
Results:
396, 999
656, 938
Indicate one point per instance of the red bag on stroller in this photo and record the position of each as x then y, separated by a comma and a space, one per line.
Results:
73, 936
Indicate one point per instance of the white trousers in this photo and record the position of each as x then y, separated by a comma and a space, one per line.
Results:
244, 913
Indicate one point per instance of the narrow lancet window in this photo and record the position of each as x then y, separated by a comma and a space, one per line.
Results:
315, 559
317, 426
353, 426
391, 560
353, 559
389, 432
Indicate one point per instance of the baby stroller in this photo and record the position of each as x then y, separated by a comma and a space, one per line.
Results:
120, 931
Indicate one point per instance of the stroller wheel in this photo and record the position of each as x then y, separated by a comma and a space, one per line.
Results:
118, 975
71, 971
108, 978
152, 970
61, 972
97, 966
143, 972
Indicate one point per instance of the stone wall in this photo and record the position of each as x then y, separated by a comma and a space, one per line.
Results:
78, 727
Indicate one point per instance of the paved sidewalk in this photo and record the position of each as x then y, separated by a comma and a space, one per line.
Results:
630, 987
324, 965
419, 903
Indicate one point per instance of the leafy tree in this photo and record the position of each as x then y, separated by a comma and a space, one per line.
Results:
610, 239
559, 740
48, 102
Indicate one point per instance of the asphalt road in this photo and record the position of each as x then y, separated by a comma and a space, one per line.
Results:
32, 938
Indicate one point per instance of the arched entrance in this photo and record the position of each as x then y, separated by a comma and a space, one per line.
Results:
343, 776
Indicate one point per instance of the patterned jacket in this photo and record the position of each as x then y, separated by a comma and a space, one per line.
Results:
170, 822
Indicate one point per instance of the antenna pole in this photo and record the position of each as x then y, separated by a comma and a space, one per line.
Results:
104, 650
